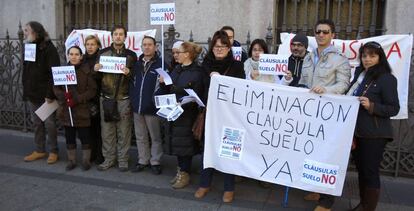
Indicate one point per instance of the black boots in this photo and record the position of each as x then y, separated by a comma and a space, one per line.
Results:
86, 157
71, 151
369, 200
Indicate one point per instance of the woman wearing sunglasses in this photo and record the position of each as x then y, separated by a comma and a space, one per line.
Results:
376, 89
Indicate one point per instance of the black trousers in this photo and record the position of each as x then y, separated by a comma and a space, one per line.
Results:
368, 155
83, 134
184, 162
95, 138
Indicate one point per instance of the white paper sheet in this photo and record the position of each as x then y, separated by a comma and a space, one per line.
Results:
44, 111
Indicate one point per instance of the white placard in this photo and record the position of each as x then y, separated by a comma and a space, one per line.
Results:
397, 48
279, 134
46, 109
165, 75
192, 93
170, 113
273, 64
161, 14
165, 100
64, 75
237, 53
30, 52
112, 64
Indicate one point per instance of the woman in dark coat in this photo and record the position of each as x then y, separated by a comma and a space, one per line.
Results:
219, 60
92, 46
377, 91
179, 136
77, 99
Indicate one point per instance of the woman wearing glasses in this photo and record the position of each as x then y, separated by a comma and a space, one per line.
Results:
376, 89
179, 137
219, 60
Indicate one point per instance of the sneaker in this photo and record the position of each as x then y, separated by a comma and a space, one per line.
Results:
105, 165
183, 179
53, 158
35, 156
123, 166
156, 169
139, 168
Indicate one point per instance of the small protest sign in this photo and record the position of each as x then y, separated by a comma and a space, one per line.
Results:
272, 64
161, 14
112, 64
64, 75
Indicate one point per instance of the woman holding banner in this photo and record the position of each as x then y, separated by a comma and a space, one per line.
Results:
219, 60
178, 134
376, 89
92, 46
76, 99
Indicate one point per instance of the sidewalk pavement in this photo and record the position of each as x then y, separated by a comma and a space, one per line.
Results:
39, 186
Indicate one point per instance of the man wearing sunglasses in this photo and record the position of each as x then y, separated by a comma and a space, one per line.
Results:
324, 70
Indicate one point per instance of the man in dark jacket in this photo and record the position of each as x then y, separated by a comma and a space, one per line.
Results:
298, 47
142, 90
38, 88
116, 135
230, 33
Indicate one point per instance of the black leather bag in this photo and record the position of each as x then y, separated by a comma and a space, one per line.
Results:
110, 106
110, 109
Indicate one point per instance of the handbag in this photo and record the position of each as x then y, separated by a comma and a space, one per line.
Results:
198, 126
110, 106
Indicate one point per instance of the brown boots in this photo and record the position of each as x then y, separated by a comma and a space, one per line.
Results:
86, 156
183, 179
71, 151
228, 196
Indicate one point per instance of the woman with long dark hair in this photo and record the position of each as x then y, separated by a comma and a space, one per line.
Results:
219, 60
376, 89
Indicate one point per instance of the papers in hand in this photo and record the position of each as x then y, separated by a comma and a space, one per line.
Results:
165, 75
193, 95
162, 101
170, 113
44, 111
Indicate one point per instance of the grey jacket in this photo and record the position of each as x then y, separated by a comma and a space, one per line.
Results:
332, 71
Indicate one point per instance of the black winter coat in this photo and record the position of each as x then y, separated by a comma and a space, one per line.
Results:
178, 134
383, 96
37, 76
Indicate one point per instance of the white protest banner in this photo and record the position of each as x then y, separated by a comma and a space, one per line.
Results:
161, 14
64, 75
397, 49
133, 40
30, 52
112, 64
272, 64
279, 134
165, 100
237, 53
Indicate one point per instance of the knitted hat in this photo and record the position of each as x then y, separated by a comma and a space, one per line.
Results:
177, 44
301, 38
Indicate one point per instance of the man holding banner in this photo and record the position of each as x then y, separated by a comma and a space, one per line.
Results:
325, 71
38, 89
116, 135
298, 46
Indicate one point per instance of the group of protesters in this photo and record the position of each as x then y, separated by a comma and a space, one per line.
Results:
103, 108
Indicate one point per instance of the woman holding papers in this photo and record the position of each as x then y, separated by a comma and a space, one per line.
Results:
178, 134
75, 100
376, 89
219, 61
92, 46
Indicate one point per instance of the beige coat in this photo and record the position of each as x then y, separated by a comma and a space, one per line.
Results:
332, 71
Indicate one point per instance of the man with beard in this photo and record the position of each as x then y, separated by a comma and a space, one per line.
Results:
38, 88
298, 47
116, 135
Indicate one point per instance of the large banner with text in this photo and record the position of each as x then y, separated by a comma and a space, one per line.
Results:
279, 134
133, 40
397, 48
